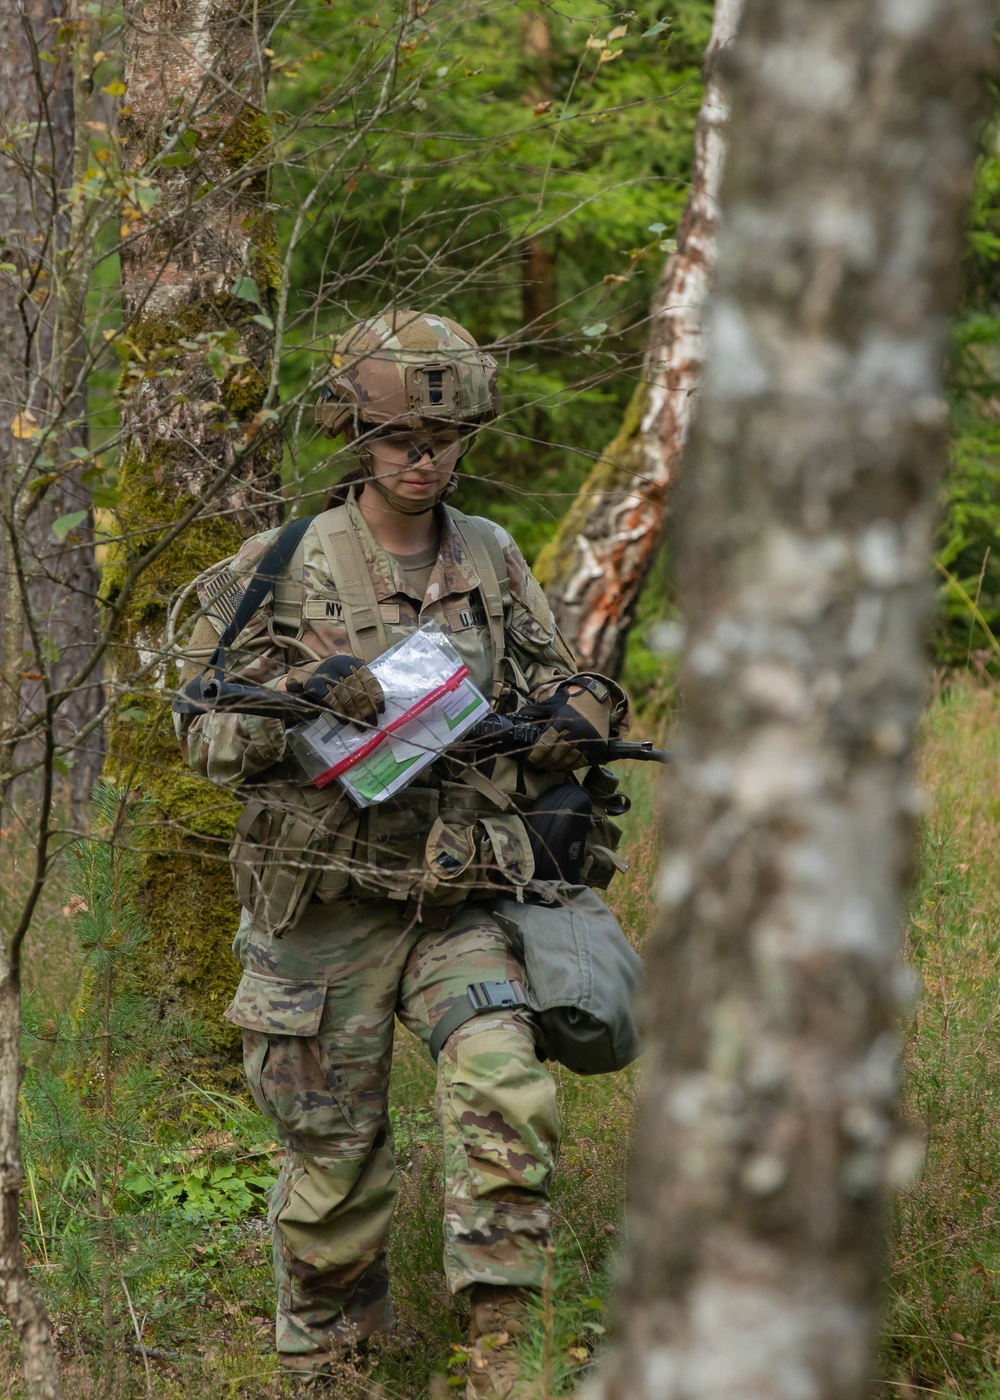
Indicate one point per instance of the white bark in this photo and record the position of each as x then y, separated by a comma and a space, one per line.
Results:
804, 526
598, 564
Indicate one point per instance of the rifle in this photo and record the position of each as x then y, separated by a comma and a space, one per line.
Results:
207, 695
511, 734
495, 734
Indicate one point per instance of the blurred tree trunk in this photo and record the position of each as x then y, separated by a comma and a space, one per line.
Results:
594, 569
36, 596
804, 527
538, 262
42, 387
199, 263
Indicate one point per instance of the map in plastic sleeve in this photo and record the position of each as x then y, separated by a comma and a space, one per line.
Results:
430, 703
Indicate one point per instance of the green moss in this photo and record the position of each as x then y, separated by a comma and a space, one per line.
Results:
145, 512
265, 259
188, 904
246, 137
243, 391
188, 901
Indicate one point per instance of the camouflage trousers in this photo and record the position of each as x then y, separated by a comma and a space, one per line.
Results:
317, 1008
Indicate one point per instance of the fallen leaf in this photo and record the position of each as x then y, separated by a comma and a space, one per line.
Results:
24, 425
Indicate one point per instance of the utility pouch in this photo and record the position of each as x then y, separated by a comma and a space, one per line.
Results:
391, 842
583, 975
583, 980
278, 855
601, 860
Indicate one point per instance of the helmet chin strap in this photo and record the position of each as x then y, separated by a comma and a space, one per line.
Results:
404, 504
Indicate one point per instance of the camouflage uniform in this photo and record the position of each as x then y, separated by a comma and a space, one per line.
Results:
317, 1004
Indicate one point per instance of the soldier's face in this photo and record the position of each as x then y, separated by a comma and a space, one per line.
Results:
416, 465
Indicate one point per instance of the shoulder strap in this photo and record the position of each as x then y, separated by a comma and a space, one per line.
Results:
494, 583
353, 580
274, 562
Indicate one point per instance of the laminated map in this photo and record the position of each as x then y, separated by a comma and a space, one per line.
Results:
430, 703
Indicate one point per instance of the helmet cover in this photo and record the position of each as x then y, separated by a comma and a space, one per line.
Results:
407, 369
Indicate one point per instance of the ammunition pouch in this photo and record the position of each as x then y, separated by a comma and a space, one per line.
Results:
280, 853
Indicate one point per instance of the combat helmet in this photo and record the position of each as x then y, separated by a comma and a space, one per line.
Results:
407, 369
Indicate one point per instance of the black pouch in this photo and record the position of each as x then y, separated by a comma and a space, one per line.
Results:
558, 823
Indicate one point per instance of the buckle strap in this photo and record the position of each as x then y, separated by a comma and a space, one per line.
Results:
480, 998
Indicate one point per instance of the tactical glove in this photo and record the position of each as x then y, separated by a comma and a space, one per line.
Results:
342, 684
577, 730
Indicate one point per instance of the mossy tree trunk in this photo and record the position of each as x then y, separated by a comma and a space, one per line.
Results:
199, 275
594, 569
805, 518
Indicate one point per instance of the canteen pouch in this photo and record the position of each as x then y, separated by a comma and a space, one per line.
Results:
584, 977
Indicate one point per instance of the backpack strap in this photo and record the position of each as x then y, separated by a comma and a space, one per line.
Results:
273, 563
345, 558
489, 563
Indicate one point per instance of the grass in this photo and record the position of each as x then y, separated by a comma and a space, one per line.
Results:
942, 1326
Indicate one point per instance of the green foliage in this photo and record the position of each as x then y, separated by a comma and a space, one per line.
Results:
146, 1194
526, 185
967, 541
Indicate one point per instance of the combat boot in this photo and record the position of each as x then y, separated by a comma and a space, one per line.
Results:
499, 1318
323, 1373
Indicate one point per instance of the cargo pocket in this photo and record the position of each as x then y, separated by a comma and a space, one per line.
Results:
293, 1070
506, 851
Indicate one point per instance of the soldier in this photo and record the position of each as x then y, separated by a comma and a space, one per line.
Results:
355, 917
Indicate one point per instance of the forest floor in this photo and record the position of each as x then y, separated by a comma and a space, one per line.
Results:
175, 1300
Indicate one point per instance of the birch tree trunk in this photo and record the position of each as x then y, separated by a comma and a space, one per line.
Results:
804, 528
199, 264
594, 569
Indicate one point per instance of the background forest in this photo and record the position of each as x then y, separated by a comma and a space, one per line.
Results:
523, 167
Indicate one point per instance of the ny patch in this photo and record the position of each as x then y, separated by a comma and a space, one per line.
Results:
326, 608
472, 617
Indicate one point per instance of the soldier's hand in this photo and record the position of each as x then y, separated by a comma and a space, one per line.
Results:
576, 733
342, 684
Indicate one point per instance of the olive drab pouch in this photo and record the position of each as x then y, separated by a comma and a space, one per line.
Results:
584, 978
